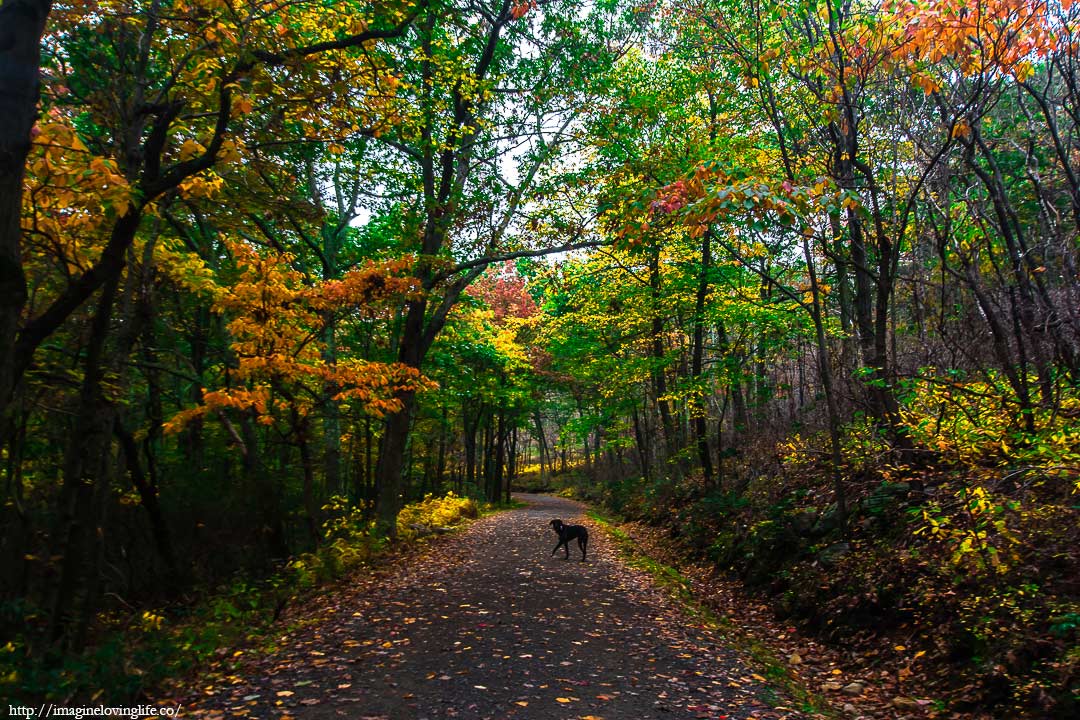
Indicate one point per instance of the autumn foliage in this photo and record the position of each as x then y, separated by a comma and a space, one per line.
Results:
797, 278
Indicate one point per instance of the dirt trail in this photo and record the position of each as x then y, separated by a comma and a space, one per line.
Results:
490, 626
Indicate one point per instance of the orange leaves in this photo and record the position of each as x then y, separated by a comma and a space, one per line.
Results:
374, 283
925, 82
276, 318
980, 35
241, 106
256, 399
372, 383
521, 8
961, 128
974, 36
711, 194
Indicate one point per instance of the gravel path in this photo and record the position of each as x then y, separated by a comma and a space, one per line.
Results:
488, 625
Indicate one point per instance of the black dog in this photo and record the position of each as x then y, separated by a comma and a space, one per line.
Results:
567, 533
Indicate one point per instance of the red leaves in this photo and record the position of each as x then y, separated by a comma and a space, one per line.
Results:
505, 293
670, 199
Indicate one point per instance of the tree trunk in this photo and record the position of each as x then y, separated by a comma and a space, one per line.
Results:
87, 473
262, 488
307, 463
391, 462
22, 23
440, 465
500, 458
699, 408
541, 441
643, 448
331, 408
741, 417
825, 373
470, 425
511, 470
148, 498
658, 377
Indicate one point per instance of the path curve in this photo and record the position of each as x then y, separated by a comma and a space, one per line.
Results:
488, 625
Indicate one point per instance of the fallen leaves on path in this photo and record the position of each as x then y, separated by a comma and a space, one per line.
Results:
488, 625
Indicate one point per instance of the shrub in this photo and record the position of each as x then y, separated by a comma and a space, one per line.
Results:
433, 512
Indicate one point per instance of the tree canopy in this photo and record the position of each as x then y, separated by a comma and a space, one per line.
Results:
794, 275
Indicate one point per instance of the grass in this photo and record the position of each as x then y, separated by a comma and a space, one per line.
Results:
769, 664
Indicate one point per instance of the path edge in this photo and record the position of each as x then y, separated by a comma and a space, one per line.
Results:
758, 655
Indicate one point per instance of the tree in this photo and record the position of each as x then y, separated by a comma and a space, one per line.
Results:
184, 82
491, 84
22, 23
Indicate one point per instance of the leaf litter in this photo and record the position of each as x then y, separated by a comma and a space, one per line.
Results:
487, 625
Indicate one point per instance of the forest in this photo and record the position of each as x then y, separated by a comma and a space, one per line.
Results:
794, 283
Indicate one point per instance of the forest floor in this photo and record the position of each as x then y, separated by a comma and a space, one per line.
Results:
489, 625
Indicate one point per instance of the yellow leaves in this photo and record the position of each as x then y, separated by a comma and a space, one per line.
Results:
184, 268
150, 621
1022, 71
72, 196
230, 151
190, 149
204, 185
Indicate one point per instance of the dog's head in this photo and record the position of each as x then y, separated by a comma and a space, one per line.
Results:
557, 525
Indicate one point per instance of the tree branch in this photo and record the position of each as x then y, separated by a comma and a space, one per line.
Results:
483, 262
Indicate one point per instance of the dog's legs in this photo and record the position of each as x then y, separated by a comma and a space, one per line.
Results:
556, 548
582, 542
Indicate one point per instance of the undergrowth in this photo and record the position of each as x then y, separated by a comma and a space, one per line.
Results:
139, 649
956, 562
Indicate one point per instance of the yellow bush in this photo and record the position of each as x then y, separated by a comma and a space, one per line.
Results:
435, 512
